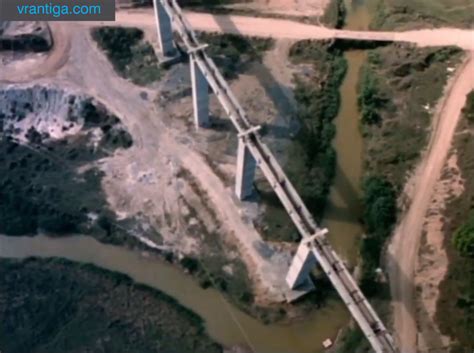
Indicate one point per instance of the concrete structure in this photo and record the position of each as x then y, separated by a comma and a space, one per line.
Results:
253, 151
200, 89
245, 174
164, 29
303, 263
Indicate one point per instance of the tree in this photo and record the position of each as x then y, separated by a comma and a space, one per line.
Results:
468, 110
464, 238
380, 204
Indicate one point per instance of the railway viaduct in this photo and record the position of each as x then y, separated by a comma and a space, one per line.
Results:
252, 153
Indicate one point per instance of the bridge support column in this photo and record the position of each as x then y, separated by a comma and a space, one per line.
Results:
245, 171
200, 94
165, 32
303, 263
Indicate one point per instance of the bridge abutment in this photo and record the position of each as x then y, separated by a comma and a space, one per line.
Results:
165, 32
200, 88
246, 165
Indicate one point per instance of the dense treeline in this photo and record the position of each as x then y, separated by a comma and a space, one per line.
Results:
318, 102
370, 100
380, 211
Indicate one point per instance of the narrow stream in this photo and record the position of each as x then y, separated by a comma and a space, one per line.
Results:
342, 217
225, 323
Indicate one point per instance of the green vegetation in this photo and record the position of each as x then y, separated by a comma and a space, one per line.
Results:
233, 53
464, 238
318, 105
335, 14
397, 111
40, 184
455, 311
380, 210
405, 14
351, 339
312, 159
132, 57
209, 270
370, 101
468, 110
57, 306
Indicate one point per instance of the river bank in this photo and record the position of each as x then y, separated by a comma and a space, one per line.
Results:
224, 323
56, 305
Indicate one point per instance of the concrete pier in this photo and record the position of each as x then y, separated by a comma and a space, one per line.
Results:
165, 32
303, 263
245, 171
200, 94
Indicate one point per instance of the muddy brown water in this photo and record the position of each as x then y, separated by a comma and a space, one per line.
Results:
225, 323
344, 211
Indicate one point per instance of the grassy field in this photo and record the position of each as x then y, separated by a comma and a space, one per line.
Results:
132, 57
455, 311
397, 110
408, 14
396, 116
57, 306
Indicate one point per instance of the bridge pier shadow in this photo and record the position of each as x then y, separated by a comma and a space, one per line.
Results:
279, 95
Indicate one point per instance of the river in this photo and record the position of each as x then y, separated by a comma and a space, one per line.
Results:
344, 210
225, 323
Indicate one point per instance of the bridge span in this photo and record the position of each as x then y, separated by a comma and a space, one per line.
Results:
252, 152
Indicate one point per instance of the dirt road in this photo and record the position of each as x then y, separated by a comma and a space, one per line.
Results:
42, 64
89, 69
404, 246
278, 28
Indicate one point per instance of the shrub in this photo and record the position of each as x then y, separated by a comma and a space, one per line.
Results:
379, 216
464, 238
369, 99
132, 57
468, 110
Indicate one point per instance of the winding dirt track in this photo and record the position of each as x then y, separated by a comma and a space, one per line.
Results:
403, 250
